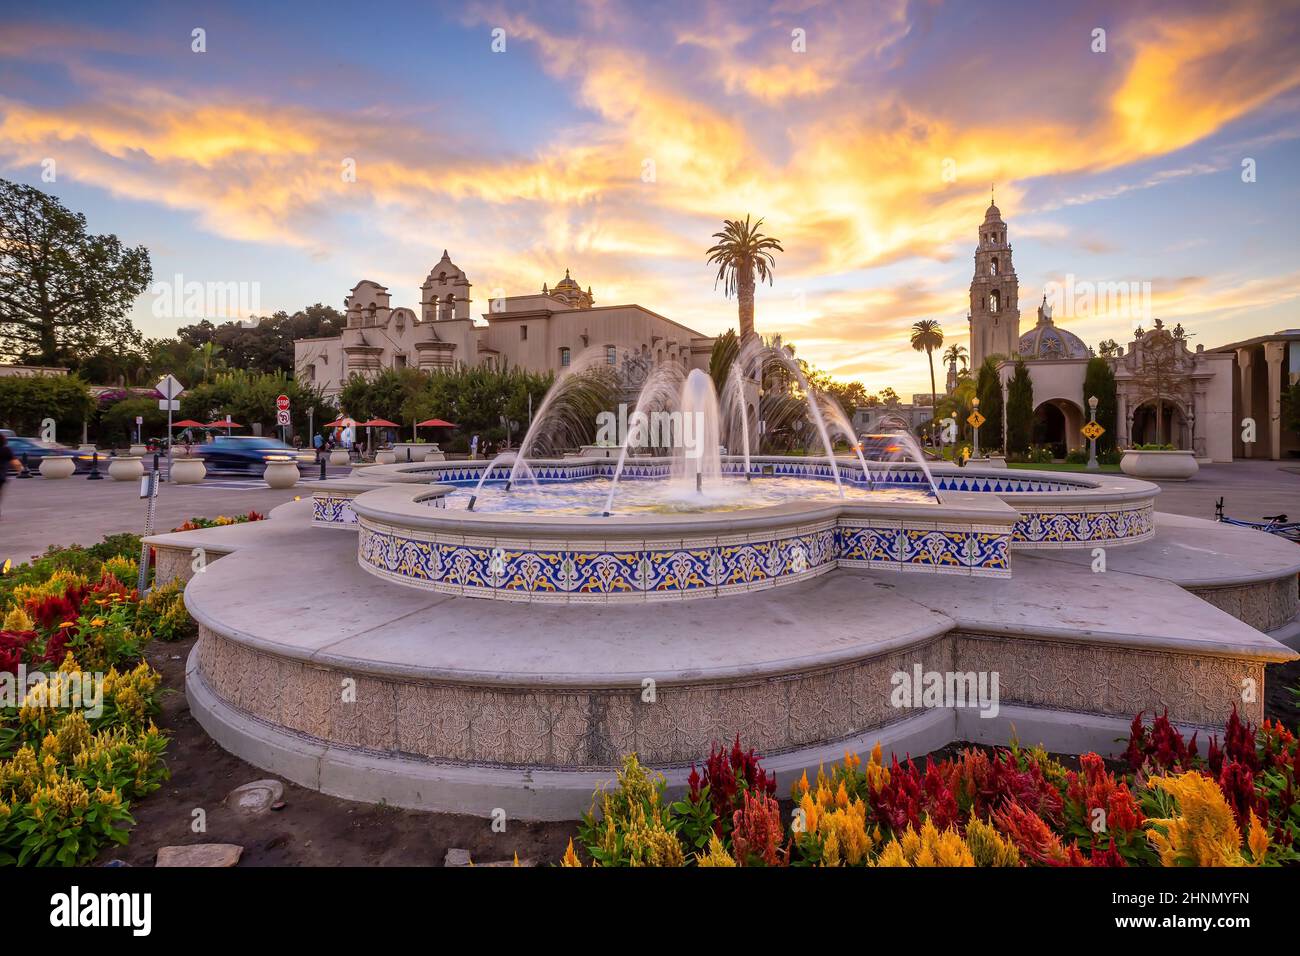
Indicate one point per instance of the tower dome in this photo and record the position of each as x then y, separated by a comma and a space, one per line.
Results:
568, 290
1047, 340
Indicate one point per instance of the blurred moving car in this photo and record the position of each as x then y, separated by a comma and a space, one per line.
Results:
247, 453
882, 447
35, 449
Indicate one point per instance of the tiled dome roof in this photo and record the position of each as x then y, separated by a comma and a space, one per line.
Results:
1046, 340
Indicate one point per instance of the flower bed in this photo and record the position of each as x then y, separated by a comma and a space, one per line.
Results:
220, 521
77, 739
1166, 806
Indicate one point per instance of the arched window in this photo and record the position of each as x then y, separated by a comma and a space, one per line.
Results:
994, 300
564, 358
993, 266
611, 355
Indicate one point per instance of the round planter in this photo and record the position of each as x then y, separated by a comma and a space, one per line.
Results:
340, 456
281, 474
126, 468
139, 450
1159, 465
188, 471
412, 450
56, 467
386, 458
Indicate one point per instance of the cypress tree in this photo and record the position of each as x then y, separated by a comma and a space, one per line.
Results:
989, 390
1020, 411
1099, 380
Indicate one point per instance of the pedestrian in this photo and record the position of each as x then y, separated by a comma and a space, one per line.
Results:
7, 460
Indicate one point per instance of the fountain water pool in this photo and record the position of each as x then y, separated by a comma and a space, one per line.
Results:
667, 496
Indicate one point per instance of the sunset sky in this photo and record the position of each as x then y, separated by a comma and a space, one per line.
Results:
1124, 165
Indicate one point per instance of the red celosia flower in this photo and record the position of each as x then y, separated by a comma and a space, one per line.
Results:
728, 775
1239, 741
1034, 838
1093, 788
757, 831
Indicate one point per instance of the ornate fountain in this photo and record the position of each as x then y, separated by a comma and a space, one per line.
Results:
471, 635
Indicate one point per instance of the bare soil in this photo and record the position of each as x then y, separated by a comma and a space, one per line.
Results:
312, 829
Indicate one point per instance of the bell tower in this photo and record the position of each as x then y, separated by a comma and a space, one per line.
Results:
994, 293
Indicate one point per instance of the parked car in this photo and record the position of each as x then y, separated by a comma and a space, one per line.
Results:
35, 449
247, 453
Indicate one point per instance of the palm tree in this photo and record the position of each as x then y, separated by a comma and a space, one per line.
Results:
926, 337
955, 353
205, 356
742, 252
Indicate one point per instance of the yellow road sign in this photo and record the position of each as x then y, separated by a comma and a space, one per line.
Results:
1093, 430
975, 420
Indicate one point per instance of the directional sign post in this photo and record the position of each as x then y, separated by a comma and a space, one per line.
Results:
975, 420
1092, 431
170, 389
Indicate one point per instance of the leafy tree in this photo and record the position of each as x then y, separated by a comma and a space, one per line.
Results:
1099, 380
989, 388
726, 348
117, 423
26, 401
64, 293
1291, 407
1020, 410
743, 254
477, 398
249, 398
265, 344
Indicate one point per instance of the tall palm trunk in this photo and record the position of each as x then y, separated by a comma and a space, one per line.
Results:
745, 298
934, 404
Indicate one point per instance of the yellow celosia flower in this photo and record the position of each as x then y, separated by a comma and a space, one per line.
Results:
927, 848
1257, 840
571, 856
717, 855
1204, 833
988, 847
18, 620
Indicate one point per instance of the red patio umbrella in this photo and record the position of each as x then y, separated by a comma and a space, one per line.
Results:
223, 425
376, 423
435, 423
343, 422
188, 423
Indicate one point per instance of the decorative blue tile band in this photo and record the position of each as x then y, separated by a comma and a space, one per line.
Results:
332, 509
516, 571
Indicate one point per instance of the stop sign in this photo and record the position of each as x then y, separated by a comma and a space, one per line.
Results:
282, 403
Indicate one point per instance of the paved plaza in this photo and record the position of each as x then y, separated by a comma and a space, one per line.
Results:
37, 512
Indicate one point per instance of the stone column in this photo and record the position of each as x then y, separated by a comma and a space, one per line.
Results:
1244, 357
1273, 353
1121, 420
1199, 444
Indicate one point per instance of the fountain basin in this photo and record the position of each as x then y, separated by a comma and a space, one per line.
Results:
422, 535
459, 705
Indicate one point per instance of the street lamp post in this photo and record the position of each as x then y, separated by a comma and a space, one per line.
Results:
1005, 394
975, 402
1092, 441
